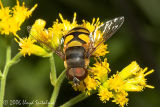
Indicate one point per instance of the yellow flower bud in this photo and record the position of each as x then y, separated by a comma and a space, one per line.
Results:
130, 70
37, 26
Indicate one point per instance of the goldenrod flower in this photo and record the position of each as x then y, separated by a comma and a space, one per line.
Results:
28, 47
39, 33
100, 70
131, 78
12, 19
120, 98
105, 94
130, 70
115, 83
87, 85
91, 83
80, 87
67, 25
138, 82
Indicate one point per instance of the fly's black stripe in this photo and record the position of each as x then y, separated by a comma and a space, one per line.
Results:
76, 34
78, 28
75, 30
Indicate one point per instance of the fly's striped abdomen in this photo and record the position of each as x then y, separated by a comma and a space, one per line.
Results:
75, 57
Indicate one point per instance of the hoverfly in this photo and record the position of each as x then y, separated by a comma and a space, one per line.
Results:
79, 45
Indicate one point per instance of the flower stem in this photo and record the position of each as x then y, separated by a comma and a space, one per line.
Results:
0, 74
56, 89
4, 75
75, 100
53, 75
8, 64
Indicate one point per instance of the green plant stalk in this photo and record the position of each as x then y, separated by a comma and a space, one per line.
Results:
53, 74
4, 75
8, 64
75, 100
56, 89
0, 74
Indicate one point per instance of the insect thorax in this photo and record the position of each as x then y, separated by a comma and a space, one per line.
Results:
76, 37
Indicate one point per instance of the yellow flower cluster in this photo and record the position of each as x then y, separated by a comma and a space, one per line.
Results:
11, 19
131, 78
28, 47
50, 38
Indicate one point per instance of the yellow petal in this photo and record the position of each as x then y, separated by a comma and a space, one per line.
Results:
132, 87
130, 70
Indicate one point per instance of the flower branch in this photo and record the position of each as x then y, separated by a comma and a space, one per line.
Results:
9, 63
56, 89
4, 75
53, 75
77, 99
0, 74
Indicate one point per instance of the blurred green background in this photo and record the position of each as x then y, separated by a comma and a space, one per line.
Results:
138, 39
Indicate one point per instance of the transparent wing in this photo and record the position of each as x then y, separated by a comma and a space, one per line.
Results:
107, 29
